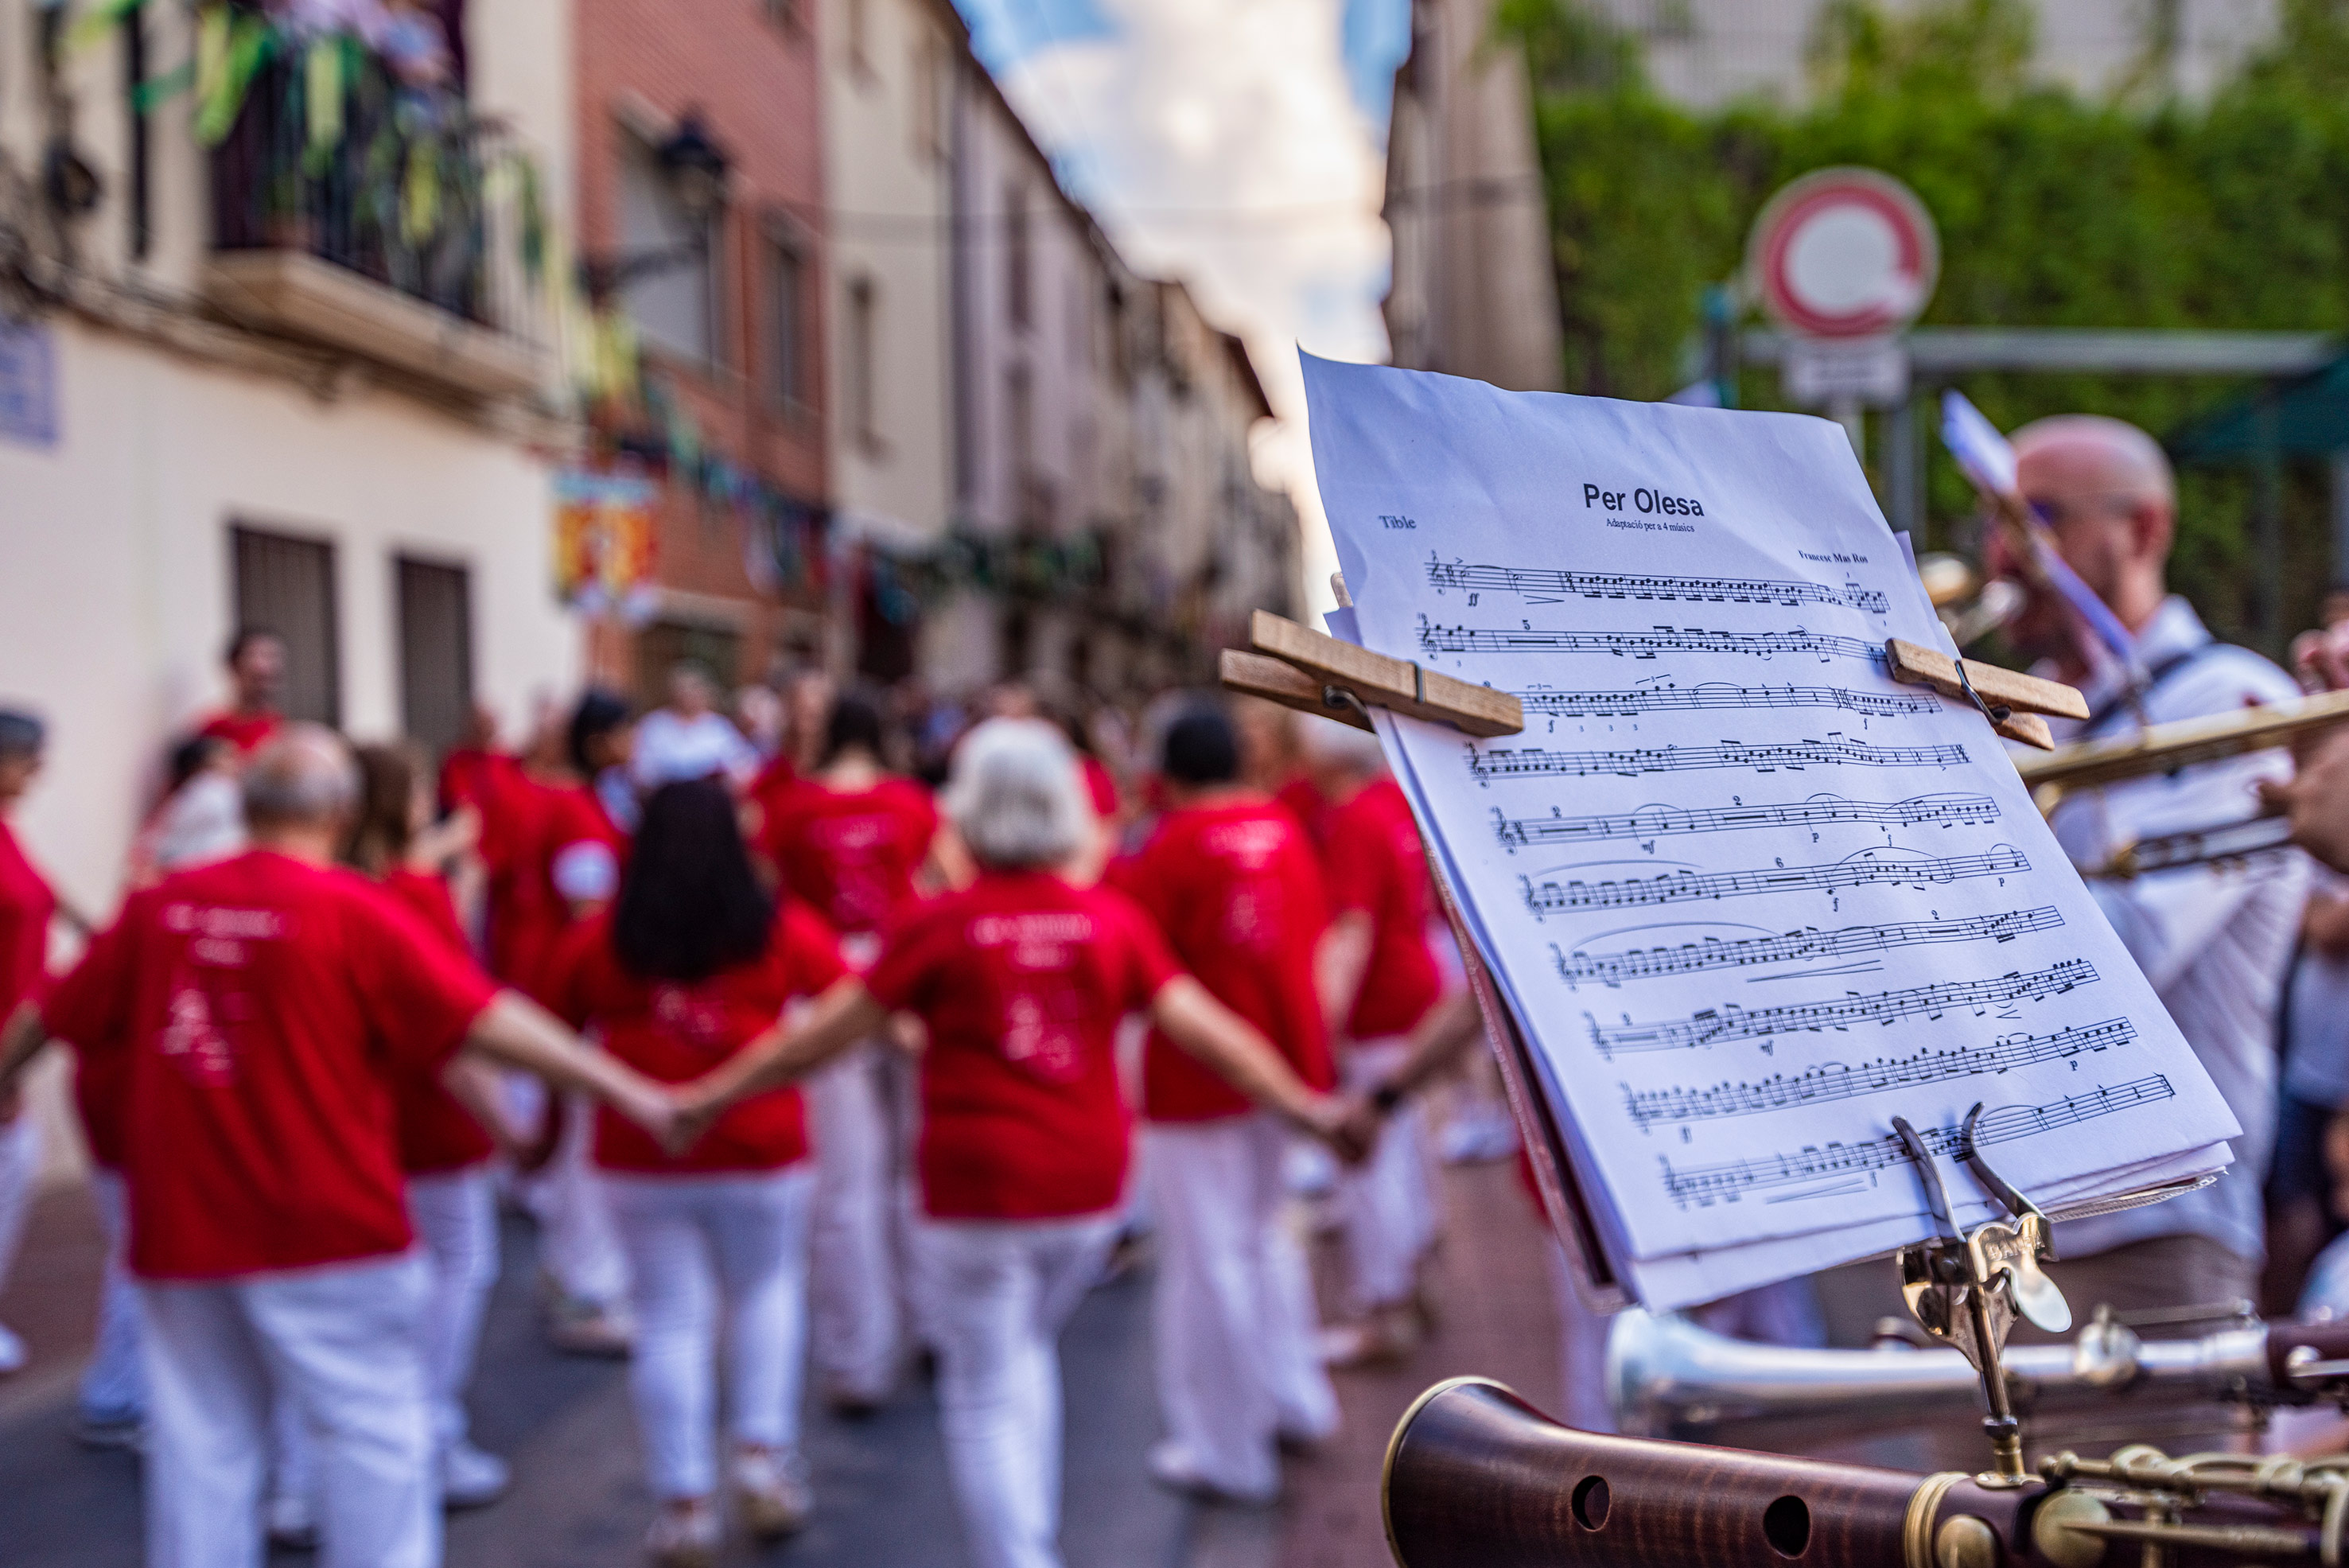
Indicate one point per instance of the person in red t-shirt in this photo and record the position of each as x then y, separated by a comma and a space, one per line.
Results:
851, 841
693, 965
27, 909
579, 841
1235, 887
261, 1005
1020, 979
255, 658
1379, 979
450, 1124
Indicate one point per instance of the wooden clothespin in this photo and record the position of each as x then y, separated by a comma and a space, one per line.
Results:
1315, 673
2011, 703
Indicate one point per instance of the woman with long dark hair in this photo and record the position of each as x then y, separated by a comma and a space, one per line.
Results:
693, 965
1021, 979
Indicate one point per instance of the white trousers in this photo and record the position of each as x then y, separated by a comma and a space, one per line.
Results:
853, 1264
577, 1245
455, 1215
20, 1163
707, 1253
998, 1293
341, 1342
1386, 1202
1235, 1322
114, 1383
1581, 1351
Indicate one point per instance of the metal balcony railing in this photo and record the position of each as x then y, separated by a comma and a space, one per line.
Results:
427, 200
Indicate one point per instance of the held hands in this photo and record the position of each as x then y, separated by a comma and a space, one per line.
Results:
1347, 1123
695, 1107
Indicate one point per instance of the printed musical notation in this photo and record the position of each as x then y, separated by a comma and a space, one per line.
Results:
1656, 821
1798, 947
1650, 644
1690, 887
1716, 1026
1641, 585
1835, 1081
1712, 694
1715, 1183
1530, 762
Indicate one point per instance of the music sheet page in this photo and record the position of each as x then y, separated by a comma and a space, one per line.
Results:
1751, 897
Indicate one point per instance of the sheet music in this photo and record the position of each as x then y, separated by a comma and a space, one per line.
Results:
1750, 897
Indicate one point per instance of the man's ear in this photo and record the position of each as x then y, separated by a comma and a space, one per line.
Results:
2152, 526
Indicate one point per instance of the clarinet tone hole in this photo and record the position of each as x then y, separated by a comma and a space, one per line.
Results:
1591, 1502
1787, 1526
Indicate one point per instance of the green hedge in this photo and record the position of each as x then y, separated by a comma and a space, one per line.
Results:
2054, 210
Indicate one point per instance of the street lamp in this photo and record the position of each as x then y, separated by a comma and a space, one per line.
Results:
693, 167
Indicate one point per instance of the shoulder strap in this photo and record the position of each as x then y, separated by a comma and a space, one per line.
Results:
2156, 678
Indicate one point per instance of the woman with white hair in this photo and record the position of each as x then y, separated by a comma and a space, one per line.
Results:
1022, 978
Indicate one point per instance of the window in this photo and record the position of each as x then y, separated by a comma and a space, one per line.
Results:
860, 39
1020, 407
786, 317
287, 585
864, 367
138, 210
676, 309
1015, 252
436, 651
928, 96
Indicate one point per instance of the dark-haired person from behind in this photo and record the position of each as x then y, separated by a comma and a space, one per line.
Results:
1233, 882
693, 965
853, 841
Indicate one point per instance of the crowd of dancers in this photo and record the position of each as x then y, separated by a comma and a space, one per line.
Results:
806, 1068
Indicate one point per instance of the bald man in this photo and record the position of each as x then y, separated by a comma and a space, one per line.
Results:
239, 1027
2214, 941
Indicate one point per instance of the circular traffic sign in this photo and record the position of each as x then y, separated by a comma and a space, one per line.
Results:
1843, 253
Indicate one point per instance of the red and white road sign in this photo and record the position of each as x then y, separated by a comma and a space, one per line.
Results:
1843, 253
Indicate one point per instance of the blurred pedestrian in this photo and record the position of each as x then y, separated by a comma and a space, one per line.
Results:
1379, 978
201, 817
255, 662
28, 907
688, 738
261, 1003
694, 964
1235, 888
851, 840
1020, 980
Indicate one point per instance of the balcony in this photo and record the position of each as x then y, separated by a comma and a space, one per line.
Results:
398, 243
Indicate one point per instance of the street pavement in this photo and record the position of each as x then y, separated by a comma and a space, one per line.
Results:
580, 1501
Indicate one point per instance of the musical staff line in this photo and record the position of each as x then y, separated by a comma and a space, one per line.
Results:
1640, 585
1531, 762
1662, 640
1715, 1026
1836, 1081
1714, 694
1657, 821
1690, 887
1794, 947
1707, 1184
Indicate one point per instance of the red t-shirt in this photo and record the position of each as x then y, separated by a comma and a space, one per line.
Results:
852, 853
265, 1006
26, 907
1021, 980
1238, 893
675, 1031
247, 732
1100, 786
1305, 803
1375, 864
437, 1133
568, 820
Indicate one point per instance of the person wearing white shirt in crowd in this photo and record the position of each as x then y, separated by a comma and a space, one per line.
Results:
690, 739
2213, 940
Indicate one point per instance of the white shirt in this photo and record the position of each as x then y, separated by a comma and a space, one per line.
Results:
670, 747
2213, 941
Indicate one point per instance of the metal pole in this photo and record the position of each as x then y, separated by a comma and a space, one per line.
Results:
1903, 471
2340, 517
2269, 537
